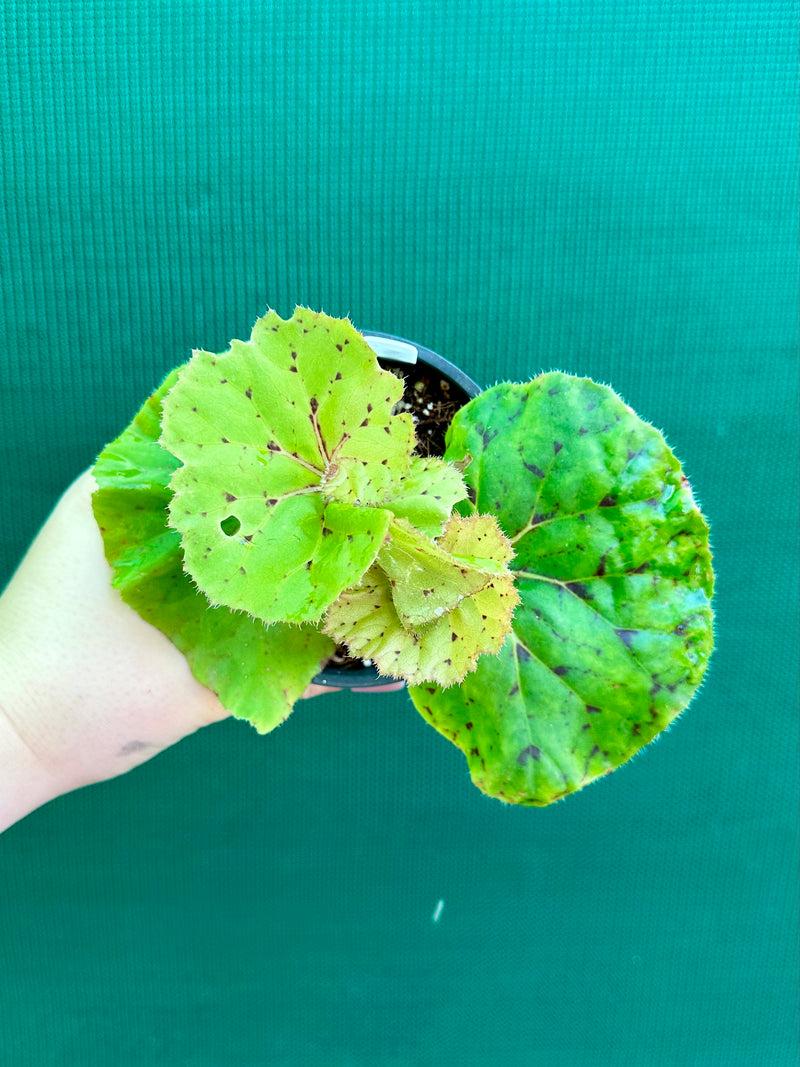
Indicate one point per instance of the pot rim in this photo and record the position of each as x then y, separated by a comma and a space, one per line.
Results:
399, 350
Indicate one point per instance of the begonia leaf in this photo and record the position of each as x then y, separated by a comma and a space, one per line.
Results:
613, 567
446, 644
428, 494
288, 445
425, 580
257, 672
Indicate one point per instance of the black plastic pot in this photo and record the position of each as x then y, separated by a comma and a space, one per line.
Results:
398, 353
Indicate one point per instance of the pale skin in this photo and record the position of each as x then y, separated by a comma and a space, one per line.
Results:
88, 689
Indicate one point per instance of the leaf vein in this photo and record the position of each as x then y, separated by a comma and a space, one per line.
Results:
588, 607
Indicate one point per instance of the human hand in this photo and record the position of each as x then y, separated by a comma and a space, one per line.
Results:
88, 689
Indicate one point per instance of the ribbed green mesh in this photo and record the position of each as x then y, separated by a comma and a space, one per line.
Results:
606, 188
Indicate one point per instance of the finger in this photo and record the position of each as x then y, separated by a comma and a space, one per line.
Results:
318, 690
390, 688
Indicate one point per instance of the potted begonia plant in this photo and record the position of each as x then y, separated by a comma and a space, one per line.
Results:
543, 587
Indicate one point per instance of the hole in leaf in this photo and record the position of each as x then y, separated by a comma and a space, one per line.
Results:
230, 526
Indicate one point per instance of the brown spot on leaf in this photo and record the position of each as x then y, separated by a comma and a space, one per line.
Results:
531, 752
533, 469
579, 589
536, 518
627, 636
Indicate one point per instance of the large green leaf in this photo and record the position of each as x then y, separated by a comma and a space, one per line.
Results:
613, 568
258, 672
288, 444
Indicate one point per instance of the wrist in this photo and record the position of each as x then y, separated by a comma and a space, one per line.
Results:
25, 781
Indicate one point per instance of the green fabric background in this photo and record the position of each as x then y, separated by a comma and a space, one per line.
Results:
607, 188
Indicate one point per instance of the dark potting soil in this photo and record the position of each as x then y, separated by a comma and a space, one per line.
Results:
432, 401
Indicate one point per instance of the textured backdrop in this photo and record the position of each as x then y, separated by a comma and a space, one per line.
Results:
603, 186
